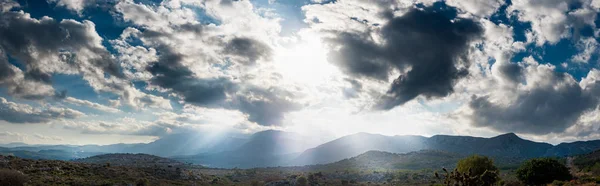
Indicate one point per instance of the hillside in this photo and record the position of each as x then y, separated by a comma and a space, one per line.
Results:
55, 172
377, 160
132, 160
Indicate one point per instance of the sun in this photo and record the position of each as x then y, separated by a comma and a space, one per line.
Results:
305, 62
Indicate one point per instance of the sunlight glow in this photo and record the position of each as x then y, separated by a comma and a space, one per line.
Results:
306, 61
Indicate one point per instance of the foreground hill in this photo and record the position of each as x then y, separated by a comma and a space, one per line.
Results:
132, 160
56, 172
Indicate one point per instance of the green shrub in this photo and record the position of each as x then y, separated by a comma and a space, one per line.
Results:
11, 177
542, 171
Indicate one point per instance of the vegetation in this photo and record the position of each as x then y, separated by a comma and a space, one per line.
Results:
12, 177
540, 171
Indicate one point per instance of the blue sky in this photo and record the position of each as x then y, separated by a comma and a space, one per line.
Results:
126, 71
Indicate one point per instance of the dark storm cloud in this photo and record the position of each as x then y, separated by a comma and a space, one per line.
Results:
170, 73
426, 45
548, 108
247, 48
266, 106
511, 71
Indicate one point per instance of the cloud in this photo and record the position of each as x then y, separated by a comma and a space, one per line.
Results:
47, 138
66, 47
90, 104
429, 61
7, 136
203, 64
248, 49
75, 5
22, 113
543, 102
552, 20
476, 7
123, 126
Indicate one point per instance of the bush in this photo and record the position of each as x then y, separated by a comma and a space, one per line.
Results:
542, 171
11, 177
302, 181
595, 169
142, 182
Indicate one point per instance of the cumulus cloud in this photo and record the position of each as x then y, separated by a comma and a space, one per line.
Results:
544, 101
552, 20
429, 61
65, 47
201, 63
23, 113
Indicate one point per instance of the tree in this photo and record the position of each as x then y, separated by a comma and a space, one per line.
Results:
473, 170
540, 171
477, 164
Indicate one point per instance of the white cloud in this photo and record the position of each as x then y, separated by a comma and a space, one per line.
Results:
23, 113
90, 104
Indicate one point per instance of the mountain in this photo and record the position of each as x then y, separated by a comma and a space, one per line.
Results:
353, 145
278, 148
505, 147
574, 148
14, 144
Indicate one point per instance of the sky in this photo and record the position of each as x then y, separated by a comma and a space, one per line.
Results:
132, 71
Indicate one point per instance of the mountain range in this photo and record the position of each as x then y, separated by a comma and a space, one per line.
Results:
277, 148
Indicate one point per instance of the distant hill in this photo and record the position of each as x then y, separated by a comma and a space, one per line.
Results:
374, 160
131, 160
47, 154
506, 146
